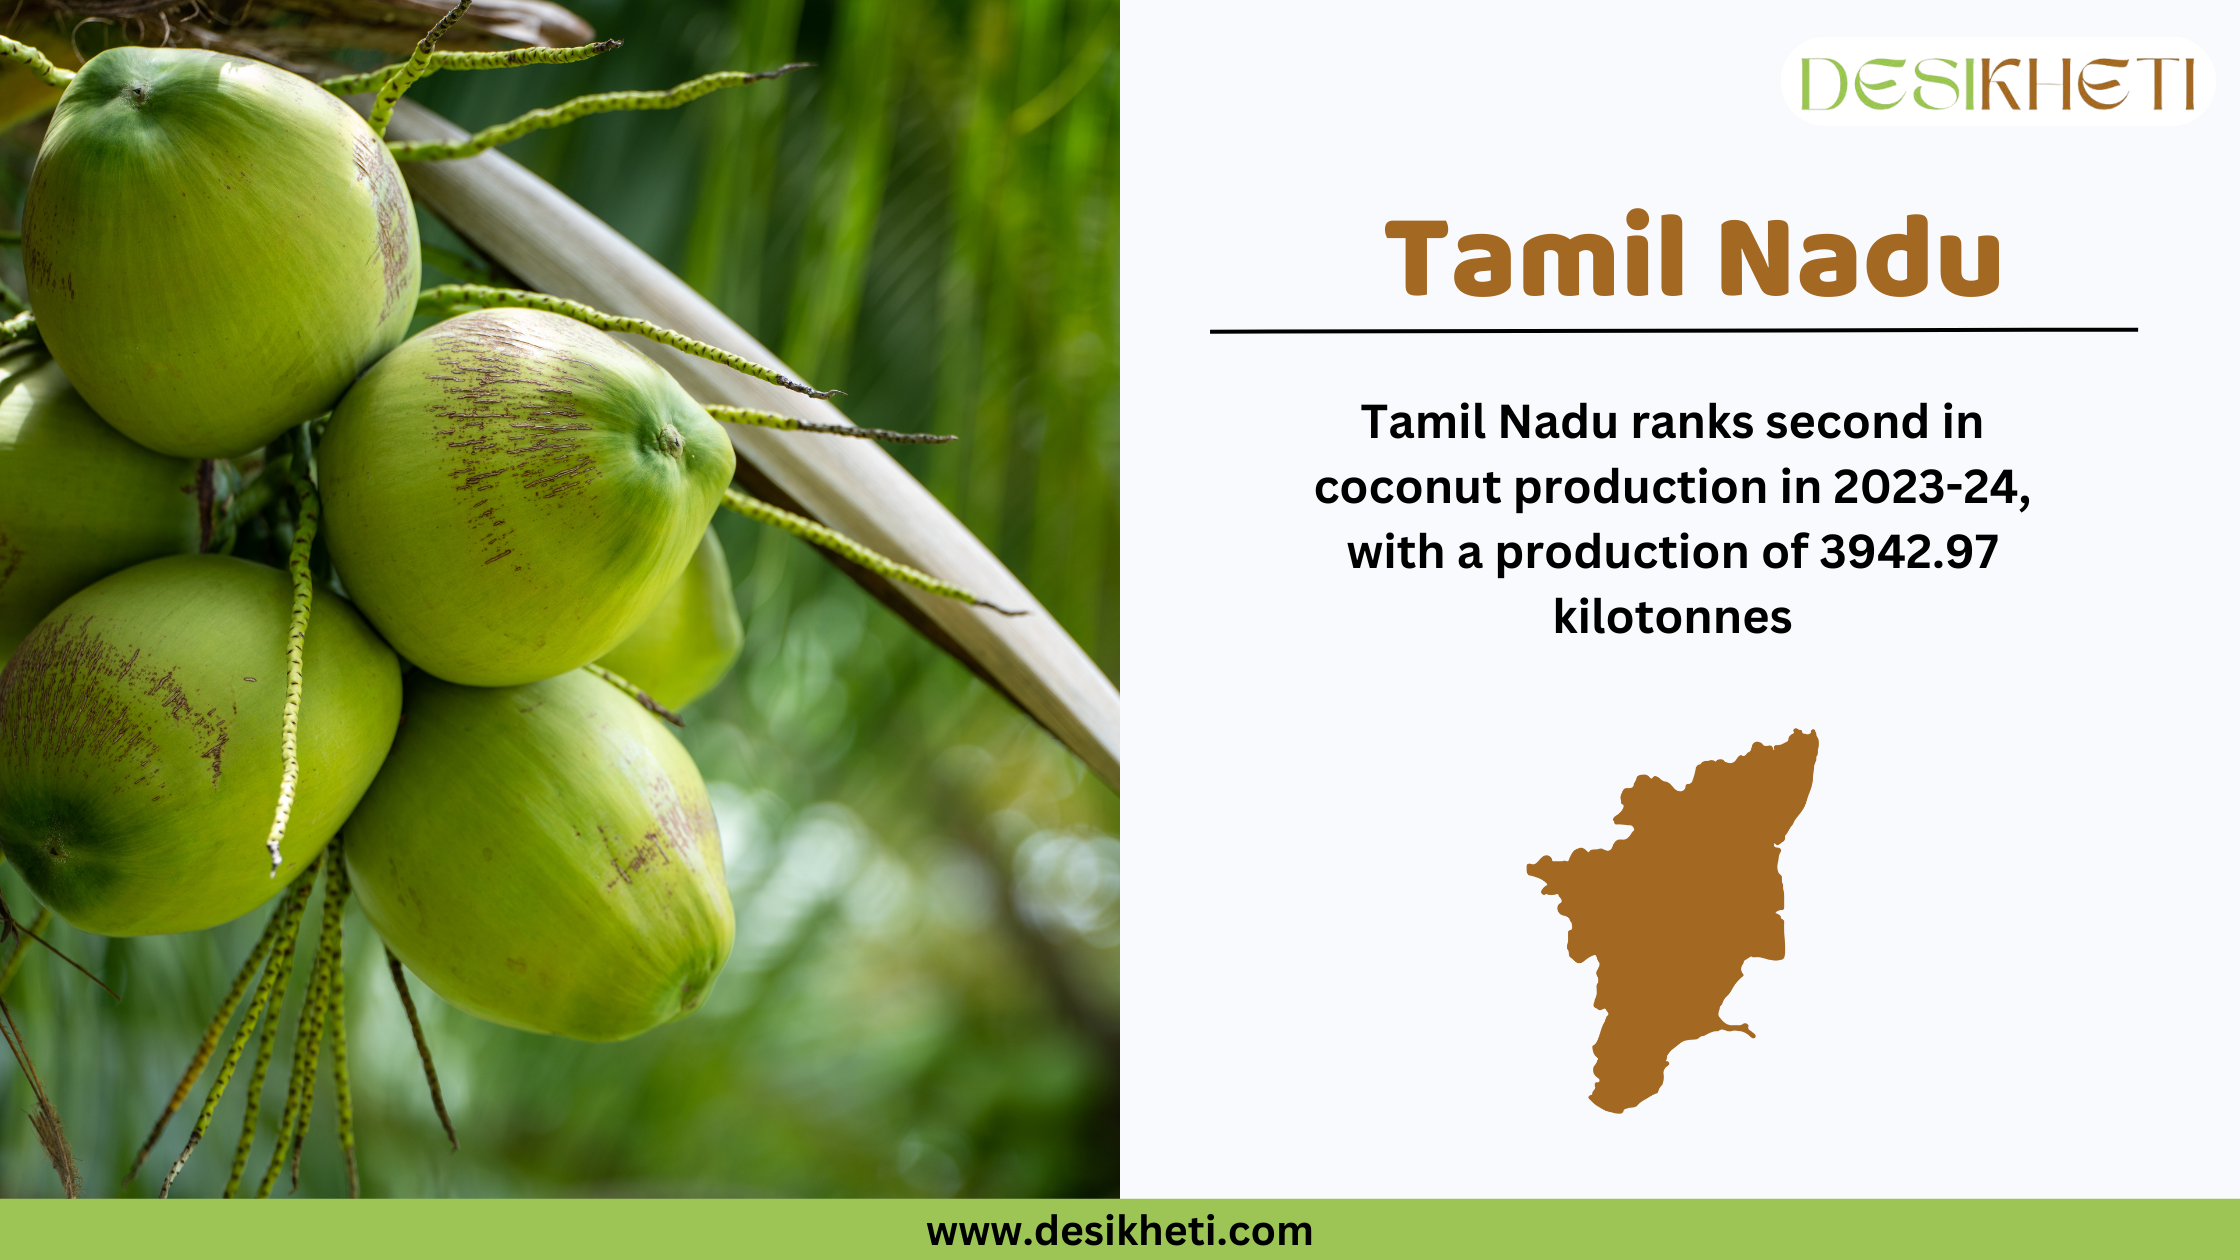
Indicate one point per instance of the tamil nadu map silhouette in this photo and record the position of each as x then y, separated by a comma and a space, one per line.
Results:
1673, 909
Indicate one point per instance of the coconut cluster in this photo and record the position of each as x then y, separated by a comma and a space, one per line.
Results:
223, 263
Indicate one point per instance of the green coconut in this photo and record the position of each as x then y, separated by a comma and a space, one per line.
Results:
511, 493
544, 857
140, 742
78, 500
693, 635
215, 248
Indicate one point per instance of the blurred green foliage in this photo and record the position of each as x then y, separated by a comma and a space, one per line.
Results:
924, 994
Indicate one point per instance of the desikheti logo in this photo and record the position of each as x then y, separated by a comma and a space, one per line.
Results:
1998, 81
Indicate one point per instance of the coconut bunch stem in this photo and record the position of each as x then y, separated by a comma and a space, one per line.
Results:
569, 111
322, 1009
299, 625
415, 68
831, 540
284, 964
338, 877
375, 80
637, 693
390, 83
773, 420
210, 1035
452, 299
420, 1039
286, 1130
319, 1004
16, 327
287, 918
25, 55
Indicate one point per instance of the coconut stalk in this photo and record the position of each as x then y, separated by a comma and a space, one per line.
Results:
555, 246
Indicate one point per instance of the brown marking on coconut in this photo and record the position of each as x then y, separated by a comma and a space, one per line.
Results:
632, 858
681, 825
392, 212
585, 465
173, 698
217, 755
54, 702
38, 268
614, 859
493, 380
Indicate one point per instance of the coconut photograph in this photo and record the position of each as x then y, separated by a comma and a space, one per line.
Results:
559, 582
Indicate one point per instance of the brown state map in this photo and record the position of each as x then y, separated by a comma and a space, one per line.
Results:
1673, 909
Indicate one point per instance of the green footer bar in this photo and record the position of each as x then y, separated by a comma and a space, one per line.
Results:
708, 1229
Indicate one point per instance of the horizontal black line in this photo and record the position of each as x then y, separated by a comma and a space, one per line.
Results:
1300, 332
